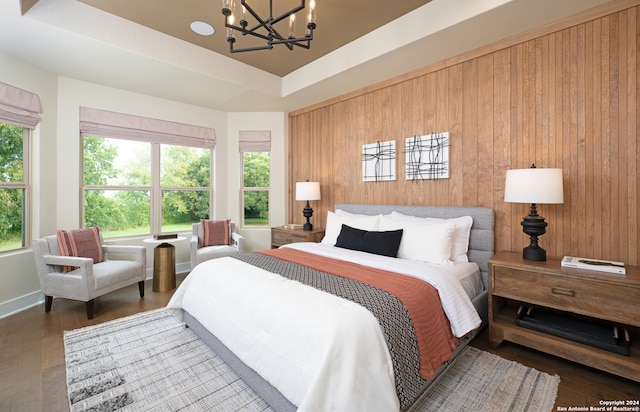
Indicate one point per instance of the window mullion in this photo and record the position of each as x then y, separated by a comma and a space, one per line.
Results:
116, 187
212, 184
26, 180
156, 192
16, 185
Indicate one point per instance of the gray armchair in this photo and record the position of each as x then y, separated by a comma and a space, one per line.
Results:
199, 254
89, 280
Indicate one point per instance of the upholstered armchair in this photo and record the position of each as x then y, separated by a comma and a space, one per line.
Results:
200, 252
87, 280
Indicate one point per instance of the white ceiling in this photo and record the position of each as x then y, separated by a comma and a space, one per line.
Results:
74, 40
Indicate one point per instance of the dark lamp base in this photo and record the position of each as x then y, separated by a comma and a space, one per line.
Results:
534, 253
534, 226
307, 212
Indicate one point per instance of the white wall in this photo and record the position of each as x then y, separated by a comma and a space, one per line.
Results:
19, 287
56, 164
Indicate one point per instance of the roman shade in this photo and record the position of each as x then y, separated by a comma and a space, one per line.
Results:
104, 123
255, 140
19, 106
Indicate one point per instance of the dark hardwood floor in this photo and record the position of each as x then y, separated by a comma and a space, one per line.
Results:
579, 385
32, 371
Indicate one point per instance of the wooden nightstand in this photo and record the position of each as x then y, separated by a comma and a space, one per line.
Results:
282, 236
594, 296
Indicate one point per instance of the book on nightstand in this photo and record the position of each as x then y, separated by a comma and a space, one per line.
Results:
593, 264
165, 236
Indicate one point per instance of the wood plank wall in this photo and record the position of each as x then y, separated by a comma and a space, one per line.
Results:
565, 96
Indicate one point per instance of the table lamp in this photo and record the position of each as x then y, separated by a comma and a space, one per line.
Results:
535, 186
307, 191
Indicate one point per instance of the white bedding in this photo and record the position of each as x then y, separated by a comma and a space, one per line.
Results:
468, 273
455, 299
322, 352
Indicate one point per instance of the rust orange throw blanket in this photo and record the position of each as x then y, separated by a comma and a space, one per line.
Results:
433, 331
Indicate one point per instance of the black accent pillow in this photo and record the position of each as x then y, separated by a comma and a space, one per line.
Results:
379, 243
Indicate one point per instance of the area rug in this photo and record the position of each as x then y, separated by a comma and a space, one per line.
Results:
480, 381
151, 362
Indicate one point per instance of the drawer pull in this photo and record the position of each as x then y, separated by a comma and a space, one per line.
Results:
289, 239
563, 291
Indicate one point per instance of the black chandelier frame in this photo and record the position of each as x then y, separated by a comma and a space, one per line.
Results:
272, 35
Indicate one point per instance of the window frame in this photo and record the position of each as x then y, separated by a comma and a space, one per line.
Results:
245, 189
255, 141
155, 188
25, 185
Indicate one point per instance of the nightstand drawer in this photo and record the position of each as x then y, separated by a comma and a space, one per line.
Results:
283, 238
611, 301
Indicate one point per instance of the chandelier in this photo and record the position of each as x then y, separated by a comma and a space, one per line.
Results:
264, 29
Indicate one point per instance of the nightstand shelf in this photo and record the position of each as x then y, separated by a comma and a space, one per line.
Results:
596, 296
282, 236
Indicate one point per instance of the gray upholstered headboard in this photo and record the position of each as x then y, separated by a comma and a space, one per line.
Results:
481, 241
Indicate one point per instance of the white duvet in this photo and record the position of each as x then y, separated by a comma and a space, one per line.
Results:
445, 278
322, 352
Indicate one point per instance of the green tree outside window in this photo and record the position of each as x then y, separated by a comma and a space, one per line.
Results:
256, 179
12, 187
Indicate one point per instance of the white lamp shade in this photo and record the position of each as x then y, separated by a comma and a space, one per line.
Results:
307, 190
534, 185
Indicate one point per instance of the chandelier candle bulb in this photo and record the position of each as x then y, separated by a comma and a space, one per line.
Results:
292, 21
311, 18
229, 29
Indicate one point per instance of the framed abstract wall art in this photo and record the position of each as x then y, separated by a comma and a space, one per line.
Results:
427, 157
379, 161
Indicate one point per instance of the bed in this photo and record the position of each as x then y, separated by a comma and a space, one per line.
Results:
306, 339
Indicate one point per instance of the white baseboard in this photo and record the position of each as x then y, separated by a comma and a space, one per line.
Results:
16, 305
183, 267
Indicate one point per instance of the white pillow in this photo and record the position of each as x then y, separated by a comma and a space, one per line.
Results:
335, 222
422, 241
345, 213
461, 233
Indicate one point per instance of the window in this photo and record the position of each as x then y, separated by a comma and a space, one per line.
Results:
185, 184
255, 148
255, 190
117, 186
138, 183
14, 187
19, 115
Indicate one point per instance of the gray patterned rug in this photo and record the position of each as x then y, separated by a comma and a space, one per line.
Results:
151, 362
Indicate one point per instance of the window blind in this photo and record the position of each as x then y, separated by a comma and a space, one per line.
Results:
19, 106
104, 123
255, 140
